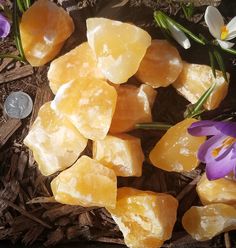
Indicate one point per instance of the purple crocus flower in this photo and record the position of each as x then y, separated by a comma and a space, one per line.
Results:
219, 151
4, 26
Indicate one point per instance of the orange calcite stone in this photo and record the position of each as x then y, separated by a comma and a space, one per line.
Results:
195, 80
177, 150
123, 153
44, 27
161, 64
221, 190
86, 183
55, 142
119, 47
145, 218
203, 223
78, 63
89, 104
134, 105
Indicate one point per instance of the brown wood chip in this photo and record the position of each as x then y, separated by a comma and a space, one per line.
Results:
55, 237
17, 73
33, 233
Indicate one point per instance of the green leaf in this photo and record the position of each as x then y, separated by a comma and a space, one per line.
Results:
153, 125
229, 50
212, 63
196, 109
188, 9
221, 64
2, 56
21, 6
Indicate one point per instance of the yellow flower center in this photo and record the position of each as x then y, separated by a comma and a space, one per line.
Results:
226, 143
224, 33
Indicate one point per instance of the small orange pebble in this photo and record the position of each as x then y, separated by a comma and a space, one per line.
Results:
134, 105
119, 47
177, 150
122, 153
222, 190
55, 142
204, 223
78, 63
195, 80
89, 104
44, 27
145, 218
161, 64
86, 183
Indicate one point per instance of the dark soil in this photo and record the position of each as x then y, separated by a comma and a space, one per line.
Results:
28, 214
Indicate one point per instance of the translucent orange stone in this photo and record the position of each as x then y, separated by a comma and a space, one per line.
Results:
134, 105
55, 142
161, 64
177, 150
86, 183
123, 153
221, 190
89, 104
195, 80
145, 218
203, 223
44, 27
78, 63
119, 47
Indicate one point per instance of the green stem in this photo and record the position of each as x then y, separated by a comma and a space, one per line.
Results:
20, 6
2, 56
28, 3
153, 125
212, 62
229, 50
220, 63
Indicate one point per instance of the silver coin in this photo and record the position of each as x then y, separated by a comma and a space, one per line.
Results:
18, 105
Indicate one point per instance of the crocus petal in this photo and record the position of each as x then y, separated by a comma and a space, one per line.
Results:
204, 128
179, 36
231, 26
220, 168
4, 26
225, 44
214, 21
227, 127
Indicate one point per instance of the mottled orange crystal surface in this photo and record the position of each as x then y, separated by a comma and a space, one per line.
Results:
195, 80
177, 150
222, 190
44, 27
145, 218
86, 183
119, 47
134, 105
78, 63
161, 64
123, 153
89, 104
203, 223
55, 142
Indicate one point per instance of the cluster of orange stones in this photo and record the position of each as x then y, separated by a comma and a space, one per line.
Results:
93, 101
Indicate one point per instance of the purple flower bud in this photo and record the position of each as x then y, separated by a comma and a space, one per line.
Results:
4, 26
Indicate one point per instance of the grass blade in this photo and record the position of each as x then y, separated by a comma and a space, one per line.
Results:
212, 63
153, 126
20, 6
220, 62
229, 50
2, 56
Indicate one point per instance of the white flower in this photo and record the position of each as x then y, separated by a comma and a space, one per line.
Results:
179, 36
218, 29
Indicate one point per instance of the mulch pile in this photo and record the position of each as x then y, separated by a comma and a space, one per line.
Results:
28, 213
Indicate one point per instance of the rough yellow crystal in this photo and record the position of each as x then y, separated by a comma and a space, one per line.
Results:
44, 27
203, 223
145, 218
177, 150
119, 47
55, 142
123, 153
89, 104
134, 105
195, 80
161, 64
221, 190
79, 62
86, 183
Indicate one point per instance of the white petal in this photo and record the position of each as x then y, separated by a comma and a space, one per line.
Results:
225, 44
214, 21
231, 26
179, 36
